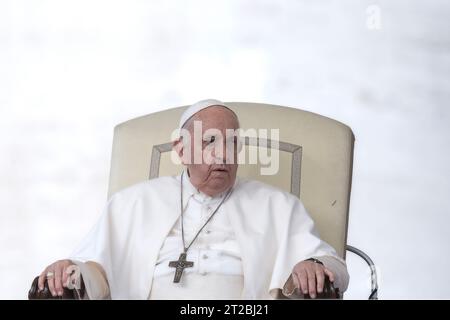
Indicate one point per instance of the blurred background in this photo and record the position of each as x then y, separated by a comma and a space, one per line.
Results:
71, 70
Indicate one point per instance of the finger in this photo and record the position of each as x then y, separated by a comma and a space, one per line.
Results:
303, 278
311, 282
41, 280
320, 279
296, 280
58, 279
329, 274
51, 282
65, 276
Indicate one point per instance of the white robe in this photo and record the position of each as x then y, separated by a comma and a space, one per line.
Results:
272, 227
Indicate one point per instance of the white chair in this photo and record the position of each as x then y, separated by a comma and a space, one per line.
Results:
316, 159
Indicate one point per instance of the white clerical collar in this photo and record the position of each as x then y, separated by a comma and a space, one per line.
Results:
190, 190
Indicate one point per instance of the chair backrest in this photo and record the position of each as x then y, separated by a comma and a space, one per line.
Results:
315, 158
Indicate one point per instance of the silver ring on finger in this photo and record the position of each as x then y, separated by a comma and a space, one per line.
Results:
50, 274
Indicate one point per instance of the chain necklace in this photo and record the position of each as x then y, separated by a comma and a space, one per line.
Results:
181, 263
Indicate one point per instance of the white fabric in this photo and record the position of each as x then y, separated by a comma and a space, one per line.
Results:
95, 283
272, 228
196, 107
214, 251
198, 287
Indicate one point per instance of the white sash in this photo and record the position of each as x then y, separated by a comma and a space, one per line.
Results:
198, 287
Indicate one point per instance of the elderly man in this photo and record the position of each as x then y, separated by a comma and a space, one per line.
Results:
204, 234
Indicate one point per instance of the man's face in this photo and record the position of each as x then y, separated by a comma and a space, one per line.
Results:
211, 152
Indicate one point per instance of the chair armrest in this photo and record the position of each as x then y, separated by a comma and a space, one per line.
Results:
291, 292
373, 272
68, 294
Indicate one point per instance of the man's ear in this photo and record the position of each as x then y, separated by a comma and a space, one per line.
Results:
178, 147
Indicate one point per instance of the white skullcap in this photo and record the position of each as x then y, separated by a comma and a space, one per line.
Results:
198, 106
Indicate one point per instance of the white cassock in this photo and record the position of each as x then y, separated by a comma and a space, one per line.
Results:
258, 235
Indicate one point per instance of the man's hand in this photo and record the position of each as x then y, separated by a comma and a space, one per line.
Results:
309, 276
56, 276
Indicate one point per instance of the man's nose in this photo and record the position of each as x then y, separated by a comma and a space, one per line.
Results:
217, 154
220, 154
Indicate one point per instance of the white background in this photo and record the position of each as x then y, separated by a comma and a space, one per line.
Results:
71, 70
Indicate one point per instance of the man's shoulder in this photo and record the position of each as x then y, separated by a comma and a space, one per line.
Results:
147, 187
257, 187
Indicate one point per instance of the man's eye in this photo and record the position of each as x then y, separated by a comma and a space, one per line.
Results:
210, 140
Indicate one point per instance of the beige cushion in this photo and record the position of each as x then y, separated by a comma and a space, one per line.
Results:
322, 149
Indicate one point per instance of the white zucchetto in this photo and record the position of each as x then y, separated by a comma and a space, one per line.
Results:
198, 106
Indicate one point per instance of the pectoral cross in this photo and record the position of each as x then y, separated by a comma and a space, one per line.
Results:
180, 265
